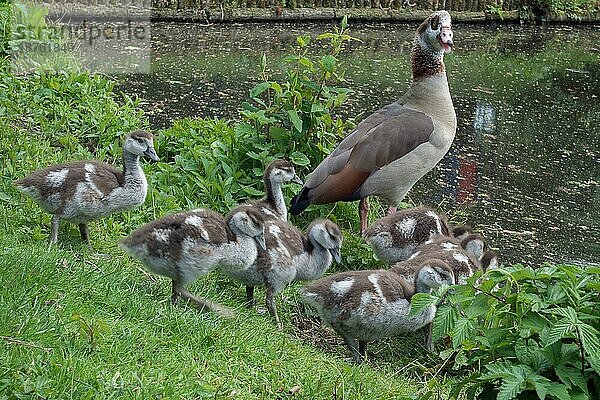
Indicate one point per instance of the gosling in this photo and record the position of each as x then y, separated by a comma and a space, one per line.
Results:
273, 206
188, 245
83, 191
370, 305
395, 237
290, 256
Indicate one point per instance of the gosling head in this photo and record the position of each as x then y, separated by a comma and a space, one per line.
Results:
474, 244
432, 274
140, 143
328, 235
249, 222
281, 171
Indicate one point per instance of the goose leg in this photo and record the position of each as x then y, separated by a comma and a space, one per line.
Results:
250, 296
392, 209
272, 307
363, 212
55, 224
83, 230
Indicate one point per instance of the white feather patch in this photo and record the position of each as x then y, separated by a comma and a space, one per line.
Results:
162, 235
449, 246
57, 178
196, 221
407, 227
461, 258
340, 288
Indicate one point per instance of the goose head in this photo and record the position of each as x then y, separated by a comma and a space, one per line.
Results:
432, 274
140, 143
281, 171
435, 33
249, 222
327, 235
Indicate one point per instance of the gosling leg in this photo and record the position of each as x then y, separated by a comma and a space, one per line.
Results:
250, 296
351, 343
83, 230
272, 307
55, 223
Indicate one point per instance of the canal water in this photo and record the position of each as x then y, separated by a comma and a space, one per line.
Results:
524, 167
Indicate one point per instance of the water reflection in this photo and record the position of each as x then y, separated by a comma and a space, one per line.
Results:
524, 166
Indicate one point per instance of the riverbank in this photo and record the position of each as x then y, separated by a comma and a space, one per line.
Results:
220, 14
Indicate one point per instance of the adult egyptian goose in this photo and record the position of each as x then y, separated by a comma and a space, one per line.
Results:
82, 191
190, 244
463, 262
290, 256
395, 237
369, 305
273, 206
394, 147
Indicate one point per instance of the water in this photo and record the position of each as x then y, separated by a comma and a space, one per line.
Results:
523, 168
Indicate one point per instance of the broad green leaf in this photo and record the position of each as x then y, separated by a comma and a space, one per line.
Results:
258, 89
559, 391
542, 385
444, 321
299, 158
328, 63
295, 119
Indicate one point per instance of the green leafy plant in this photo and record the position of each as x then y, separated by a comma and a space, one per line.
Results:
521, 332
298, 114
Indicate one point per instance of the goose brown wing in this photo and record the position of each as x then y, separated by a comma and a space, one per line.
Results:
385, 136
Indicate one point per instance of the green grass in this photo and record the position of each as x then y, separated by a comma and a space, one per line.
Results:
75, 323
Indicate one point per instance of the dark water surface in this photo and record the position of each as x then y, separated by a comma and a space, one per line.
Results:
524, 166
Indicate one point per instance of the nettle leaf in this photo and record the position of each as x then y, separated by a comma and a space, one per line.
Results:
511, 386
444, 321
591, 344
463, 329
421, 301
571, 376
559, 331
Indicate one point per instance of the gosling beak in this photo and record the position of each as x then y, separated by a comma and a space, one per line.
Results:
152, 154
296, 179
260, 241
335, 253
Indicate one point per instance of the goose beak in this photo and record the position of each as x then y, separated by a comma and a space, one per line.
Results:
445, 38
151, 153
335, 253
296, 179
260, 241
